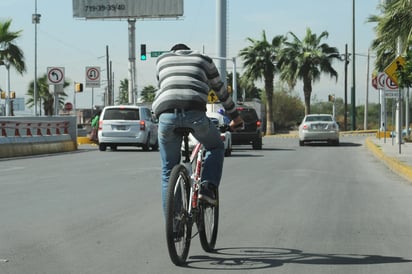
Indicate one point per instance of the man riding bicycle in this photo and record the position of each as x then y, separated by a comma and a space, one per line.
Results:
184, 80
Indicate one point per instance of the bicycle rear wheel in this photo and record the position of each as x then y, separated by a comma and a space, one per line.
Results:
208, 224
178, 222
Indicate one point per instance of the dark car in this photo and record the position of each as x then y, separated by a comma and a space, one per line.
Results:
251, 134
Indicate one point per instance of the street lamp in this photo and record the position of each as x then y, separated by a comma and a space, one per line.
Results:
345, 57
35, 21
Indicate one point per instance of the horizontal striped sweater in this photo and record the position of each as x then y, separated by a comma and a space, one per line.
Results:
185, 78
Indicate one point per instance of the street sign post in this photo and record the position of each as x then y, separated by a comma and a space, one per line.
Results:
92, 77
393, 67
55, 75
156, 53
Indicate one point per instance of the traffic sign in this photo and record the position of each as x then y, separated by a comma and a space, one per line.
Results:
391, 94
212, 97
393, 67
68, 106
384, 82
55, 75
156, 53
92, 77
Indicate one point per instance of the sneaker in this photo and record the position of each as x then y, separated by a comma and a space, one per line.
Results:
207, 193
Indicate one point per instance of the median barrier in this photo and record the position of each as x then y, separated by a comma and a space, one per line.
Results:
23, 136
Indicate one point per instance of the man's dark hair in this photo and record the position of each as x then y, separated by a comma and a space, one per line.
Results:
180, 47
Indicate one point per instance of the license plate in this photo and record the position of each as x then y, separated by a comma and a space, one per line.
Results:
121, 127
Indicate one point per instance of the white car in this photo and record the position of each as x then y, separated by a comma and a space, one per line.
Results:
225, 135
319, 127
127, 126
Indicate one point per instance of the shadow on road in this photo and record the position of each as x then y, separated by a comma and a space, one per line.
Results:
249, 258
323, 144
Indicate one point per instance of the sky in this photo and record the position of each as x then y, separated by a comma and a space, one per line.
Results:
73, 43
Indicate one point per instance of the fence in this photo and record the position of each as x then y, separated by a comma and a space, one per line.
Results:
37, 135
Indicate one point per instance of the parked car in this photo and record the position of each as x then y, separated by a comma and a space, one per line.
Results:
318, 127
225, 134
127, 126
251, 134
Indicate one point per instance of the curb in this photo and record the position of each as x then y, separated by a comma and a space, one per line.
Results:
392, 163
84, 141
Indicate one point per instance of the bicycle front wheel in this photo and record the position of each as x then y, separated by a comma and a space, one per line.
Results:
208, 224
178, 221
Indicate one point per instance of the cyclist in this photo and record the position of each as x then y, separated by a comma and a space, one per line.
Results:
184, 80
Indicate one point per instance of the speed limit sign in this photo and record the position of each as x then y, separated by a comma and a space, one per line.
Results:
92, 77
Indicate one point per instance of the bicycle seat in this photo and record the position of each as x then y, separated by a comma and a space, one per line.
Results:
183, 130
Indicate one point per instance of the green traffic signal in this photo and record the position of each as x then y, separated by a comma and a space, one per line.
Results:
143, 55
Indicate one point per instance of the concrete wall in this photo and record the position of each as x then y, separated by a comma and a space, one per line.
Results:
48, 135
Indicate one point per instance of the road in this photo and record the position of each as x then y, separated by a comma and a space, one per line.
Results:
284, 209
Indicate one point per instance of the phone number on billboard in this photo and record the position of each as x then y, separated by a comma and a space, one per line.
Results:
112, 7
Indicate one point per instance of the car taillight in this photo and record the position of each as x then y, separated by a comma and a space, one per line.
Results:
258, 123
305, 126
100, 125
142, 125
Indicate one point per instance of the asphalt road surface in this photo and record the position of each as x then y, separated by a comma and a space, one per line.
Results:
284, 209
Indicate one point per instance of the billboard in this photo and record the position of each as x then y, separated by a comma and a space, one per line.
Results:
100, 9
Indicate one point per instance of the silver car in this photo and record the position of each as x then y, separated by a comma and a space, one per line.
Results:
318, 127
127, 126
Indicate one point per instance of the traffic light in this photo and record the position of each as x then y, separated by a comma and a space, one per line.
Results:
143, 55
3, 95
12, 95
331, 98
79, 87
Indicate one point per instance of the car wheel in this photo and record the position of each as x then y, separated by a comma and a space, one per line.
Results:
155, 147
257, 144
301, 143
147, 144
102, 147
228, 151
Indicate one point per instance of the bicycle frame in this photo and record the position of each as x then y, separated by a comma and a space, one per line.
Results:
195, 175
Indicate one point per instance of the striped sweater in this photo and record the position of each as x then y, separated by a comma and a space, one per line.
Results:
184, 80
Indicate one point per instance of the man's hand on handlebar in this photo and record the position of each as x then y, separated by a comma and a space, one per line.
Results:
237, 124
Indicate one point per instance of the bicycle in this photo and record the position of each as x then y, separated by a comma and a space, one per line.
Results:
183, 208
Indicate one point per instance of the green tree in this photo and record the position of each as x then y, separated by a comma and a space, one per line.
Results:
148, 93
123, 97
306, 60
393, 27
44, 95
288, 109
259, 62
10, 53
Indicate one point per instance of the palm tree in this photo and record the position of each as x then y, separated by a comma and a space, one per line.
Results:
306, 60
148, 93
393, 29
10, 53
260, 63
45, 96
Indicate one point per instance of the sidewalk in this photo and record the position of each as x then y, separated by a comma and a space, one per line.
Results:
397, 159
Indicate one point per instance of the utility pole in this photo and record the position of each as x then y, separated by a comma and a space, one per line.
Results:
353, 92
346, 88
221, 37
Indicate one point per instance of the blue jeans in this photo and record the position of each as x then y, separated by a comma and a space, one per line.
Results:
170, 145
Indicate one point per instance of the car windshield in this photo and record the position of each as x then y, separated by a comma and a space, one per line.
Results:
323, 118
121, 114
